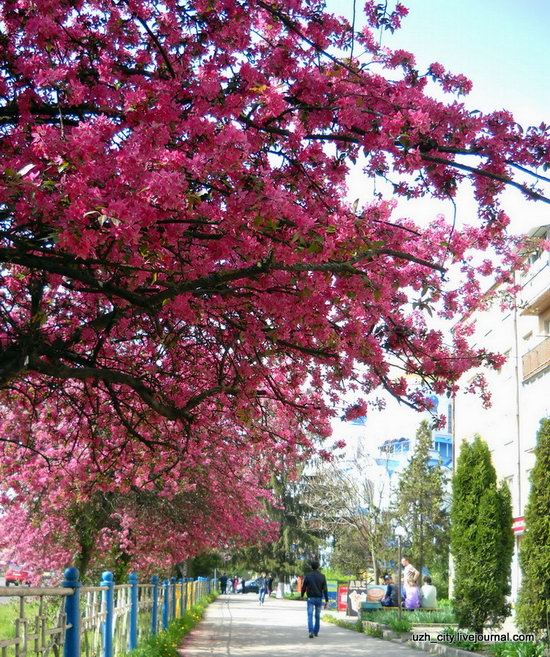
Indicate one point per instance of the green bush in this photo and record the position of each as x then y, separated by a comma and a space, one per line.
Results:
533, 601
472, 646
517, 649
440, 616
417, 617
482, 541
445, 603
372, 630
403, 624
166, 644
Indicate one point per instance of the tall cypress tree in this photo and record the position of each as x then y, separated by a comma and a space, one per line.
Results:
421, 506
534, 600
481, 539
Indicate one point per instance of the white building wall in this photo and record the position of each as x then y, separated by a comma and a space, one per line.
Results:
519, 399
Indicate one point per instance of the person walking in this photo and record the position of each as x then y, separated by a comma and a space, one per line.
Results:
262, 588
315, 586
223, 583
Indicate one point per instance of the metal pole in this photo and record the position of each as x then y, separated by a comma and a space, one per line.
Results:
71, 646
399, 578
108, 603
166, 604
154, 610
173, 590
134, 603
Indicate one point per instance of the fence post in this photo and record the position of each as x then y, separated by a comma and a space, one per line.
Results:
108, 601
173, 596
71, 647
166, 604
180, 589
134, 602
155, 607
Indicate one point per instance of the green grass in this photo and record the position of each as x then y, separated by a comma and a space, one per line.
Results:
418, 617
517, 649
356, 626
166, 644
374, 631
8, 614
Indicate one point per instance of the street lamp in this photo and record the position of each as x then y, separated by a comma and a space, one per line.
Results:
400, 533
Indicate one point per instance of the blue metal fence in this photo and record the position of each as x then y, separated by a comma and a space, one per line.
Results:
108, 620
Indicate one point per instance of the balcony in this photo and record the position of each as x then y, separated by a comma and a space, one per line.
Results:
535, 360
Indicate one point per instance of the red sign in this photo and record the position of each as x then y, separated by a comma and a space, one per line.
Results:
342, 597
518, 525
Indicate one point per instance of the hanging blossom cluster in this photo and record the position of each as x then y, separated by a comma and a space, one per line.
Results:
186, 293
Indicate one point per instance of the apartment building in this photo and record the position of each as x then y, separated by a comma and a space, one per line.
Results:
520, 390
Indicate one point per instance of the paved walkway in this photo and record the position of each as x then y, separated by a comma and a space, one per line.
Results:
236, 626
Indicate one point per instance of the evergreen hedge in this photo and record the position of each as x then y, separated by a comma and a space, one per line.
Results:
534, 600
482, 541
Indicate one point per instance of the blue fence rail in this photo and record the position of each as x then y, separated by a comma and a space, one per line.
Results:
75, 620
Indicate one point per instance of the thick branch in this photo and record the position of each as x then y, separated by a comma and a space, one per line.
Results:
59, 371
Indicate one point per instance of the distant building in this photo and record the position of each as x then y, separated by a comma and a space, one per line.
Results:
520, 390
395, 453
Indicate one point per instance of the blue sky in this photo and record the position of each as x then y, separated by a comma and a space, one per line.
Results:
503, 46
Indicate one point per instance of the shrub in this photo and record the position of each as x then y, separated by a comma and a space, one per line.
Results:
419, 616
374, 631
432, 617
403, 624
532, 607
166, 643
481, 539
517, 649
472, 646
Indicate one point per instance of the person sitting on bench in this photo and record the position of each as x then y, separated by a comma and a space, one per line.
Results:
390, 596
428, 594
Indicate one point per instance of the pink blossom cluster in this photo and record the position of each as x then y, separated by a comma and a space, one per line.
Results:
186, 293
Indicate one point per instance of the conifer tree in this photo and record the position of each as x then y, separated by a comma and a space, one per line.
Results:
481, 539
533, 605
420, 504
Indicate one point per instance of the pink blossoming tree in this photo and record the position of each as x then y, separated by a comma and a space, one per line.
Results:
186, 292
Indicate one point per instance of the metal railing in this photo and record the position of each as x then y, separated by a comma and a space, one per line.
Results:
95, 621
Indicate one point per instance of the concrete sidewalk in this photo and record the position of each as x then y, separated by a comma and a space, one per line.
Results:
236, 626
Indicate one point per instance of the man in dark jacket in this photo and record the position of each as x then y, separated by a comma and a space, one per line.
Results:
315, 585
390, 595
